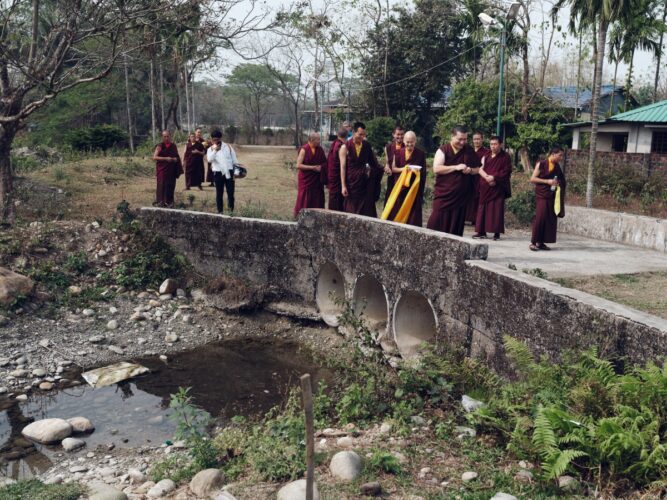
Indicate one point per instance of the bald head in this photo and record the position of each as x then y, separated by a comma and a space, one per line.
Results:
410, 140
342, 133
314, 139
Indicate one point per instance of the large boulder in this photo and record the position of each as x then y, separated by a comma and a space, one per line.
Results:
296, 490
162, 489
206, 482
49, 430
81, 425
102, 491
345, 465
13, 286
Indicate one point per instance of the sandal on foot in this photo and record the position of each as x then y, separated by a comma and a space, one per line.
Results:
542, 246
534, 248
478, 236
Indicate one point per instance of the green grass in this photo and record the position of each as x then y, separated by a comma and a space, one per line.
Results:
36, 490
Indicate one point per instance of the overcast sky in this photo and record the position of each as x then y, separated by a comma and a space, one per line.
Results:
644, 63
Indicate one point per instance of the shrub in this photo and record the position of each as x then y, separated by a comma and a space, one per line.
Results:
25, 164
99, 137
33, 489
522, 205
382, 461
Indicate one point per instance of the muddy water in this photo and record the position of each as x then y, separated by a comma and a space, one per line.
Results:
237, 377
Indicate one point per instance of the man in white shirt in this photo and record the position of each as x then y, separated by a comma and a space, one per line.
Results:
221, 157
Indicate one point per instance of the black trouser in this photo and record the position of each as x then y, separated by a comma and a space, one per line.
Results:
221, 182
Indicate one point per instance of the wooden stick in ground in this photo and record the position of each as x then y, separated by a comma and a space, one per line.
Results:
307, 392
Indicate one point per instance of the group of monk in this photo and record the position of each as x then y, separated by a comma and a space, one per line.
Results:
471, 182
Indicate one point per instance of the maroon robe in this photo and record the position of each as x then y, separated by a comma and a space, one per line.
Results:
545, 222
390, 151
471, 210
336, 200
209, 170
453, 191
310, 190
418, 157
360, 182
491, 208
194, 164
166, 174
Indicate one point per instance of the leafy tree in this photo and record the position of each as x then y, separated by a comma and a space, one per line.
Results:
473, 104
379, 131
256, 86
424, 43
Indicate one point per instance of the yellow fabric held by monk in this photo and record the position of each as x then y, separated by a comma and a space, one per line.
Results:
403, 183
357, 148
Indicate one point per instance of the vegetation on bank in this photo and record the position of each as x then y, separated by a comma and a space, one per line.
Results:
585, 417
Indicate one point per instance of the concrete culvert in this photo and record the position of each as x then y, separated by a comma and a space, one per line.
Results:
330, 288
414, 323
370, 300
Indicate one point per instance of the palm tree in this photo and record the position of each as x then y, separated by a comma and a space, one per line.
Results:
601, 13
658, 55
614, 57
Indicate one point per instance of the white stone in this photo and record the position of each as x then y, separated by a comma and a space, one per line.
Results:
223, 495
22, 397
39, 372
4, 390
71, 444
345, 465
112, 324
206, 481
144, 488
116, 349
46, 386
470, 404
88, 312
180, 292
345, 442
81, 425
138, 316
568, 483
503, 496
425, 471
161, 489
78, 468
113, 310
101, 491
49, 430
171, 338
466, 477
385, 428
417, 420
19, 373
464, 432
13, 285
168, 286
74, 290
524, 476
296, 490
136, 476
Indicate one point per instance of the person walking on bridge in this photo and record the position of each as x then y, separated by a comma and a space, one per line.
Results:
310, 163
168, 168
550, 183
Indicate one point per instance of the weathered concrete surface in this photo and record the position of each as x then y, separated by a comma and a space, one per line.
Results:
630, 229
471, 302
573, 255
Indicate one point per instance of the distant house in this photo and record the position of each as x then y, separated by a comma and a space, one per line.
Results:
612, 100
641, 130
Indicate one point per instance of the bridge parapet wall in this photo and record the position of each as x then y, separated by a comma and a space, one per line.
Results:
411, 284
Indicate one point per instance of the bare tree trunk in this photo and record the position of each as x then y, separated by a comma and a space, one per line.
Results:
659, 54
592, 156
128, 104
628, 83
316, 98
611, 101
35, 30
162, 121
187, 97
152, 85
192, 98
6, 175
576, 96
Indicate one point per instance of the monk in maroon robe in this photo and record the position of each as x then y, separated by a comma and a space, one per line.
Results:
390, 151
194, 163
309, 163
358, 169
333, 172
494, 189
455, 164
547, 176
168, 168
410, 155
481, 152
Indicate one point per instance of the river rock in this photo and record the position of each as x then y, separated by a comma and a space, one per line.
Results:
144, 488
524, 476
345, 465
101, 491
136, 476
88, 312
568, 484
469, 404
296, 490
13, 286
116, 349
222, 495
46, 386
206, 481
49, 430
74, 290
39, 372
112, 324
503, 496
385, 428
71, 444
4, 390
161, 489
372, 489
81, 425
168, 286
466, 477
171, 338
19, 373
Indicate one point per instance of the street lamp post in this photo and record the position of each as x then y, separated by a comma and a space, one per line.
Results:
487, 20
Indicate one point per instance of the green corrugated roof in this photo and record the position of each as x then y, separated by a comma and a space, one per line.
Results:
653, 113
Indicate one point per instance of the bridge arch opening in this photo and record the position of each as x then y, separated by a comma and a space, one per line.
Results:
330, 289
370, 299
414, 323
